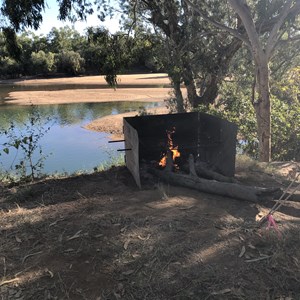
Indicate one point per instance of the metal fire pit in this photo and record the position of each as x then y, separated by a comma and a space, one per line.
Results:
209, 138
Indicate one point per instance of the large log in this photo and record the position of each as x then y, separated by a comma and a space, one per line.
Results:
232, 190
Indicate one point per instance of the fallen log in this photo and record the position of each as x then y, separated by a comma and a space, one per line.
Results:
232, 190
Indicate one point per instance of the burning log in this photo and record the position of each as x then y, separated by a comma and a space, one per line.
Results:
233, 190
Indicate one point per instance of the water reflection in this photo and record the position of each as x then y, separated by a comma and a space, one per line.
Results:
68, 146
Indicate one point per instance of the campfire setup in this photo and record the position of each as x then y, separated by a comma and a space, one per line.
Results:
195, 150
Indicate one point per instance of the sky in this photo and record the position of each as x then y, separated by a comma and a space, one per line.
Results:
50, 20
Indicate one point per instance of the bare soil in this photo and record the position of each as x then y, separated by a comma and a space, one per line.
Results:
99, 237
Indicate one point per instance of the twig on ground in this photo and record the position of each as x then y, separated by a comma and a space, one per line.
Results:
4, 267
29, 255
75, 236
9, 281
258, 259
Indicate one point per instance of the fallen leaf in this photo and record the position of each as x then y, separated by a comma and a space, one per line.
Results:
123, 229
18, 239
126, 244
69, 250
98, 235
186, 208
242, 251
144, 238
50, 273
126, 273
221, 292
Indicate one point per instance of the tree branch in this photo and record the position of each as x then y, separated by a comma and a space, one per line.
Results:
230, 30
274, 34
243, 10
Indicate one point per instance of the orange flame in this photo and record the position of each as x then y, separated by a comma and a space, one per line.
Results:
172, 148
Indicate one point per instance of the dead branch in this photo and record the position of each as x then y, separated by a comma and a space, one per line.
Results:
232, 190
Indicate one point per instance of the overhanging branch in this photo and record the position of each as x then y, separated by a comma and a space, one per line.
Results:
230, 30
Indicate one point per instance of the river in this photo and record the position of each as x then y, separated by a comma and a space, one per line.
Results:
66, 146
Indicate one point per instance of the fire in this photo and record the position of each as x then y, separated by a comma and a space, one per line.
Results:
171, 147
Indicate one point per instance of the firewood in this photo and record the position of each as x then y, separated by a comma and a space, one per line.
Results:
202, 170
233, 190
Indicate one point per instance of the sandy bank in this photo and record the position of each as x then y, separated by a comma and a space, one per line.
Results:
113, 124
137, 87
159, 79
87, 95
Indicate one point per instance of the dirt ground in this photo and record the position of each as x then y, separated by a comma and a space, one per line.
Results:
99, 237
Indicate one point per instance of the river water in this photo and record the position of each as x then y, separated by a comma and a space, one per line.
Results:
67, 146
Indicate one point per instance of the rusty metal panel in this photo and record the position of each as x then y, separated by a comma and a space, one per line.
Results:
132, 156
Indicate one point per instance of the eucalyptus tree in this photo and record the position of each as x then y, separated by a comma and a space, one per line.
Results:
193, 53
264, 26
65, 39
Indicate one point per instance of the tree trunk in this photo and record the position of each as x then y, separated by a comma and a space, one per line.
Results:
179, 97
191, 90
263, 111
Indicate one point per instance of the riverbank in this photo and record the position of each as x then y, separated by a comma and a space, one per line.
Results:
150, 79
138, 87
91, 89
113, 124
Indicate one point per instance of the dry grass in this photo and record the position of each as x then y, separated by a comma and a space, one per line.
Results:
99, 237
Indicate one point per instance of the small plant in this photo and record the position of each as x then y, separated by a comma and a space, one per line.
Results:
27, 141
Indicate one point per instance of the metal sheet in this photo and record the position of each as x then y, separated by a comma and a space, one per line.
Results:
132, 156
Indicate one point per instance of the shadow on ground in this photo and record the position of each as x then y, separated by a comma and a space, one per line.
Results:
100, 237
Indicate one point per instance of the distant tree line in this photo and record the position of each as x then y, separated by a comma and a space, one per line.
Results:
64, 50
